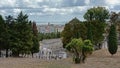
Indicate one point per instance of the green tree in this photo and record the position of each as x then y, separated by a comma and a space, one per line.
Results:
97, 17
9, 19
8, 32
22, 37
115, 19
87, 49
35, 47
89, 32
76, 47
51, 35
73, 29
40, 36
2, 28
80, 49
97, 13
112, 40
4, 36
97, 29
7, 35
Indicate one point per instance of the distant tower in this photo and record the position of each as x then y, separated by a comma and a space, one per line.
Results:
48, 23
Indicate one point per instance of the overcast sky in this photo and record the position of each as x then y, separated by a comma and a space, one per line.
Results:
54, 11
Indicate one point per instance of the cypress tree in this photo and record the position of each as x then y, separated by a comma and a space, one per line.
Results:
112, 40
35, 46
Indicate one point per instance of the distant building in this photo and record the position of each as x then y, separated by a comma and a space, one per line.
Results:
49, 28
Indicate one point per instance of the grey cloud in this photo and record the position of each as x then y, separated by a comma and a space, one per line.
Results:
97, 3
69, 3
116, 7
63, 3
54, 12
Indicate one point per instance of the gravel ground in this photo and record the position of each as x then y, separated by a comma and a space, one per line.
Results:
99, 59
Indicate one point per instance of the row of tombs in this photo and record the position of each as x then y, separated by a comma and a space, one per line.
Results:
52, 49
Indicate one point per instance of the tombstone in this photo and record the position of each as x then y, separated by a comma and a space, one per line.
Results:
104, 45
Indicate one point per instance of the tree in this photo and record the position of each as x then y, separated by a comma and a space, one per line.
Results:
112, 40
97, 13
89, 32
7, 33
22, 37
92, 30
40, 36
34, 28
98, 30
35, 47
80, 49
51, 35
2, 28
114, 17
87, 49
95, 31
97, 17
73, 29
76, 48
9, 19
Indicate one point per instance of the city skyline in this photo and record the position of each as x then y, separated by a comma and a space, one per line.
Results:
54, 11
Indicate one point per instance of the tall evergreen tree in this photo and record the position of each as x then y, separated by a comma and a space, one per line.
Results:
5, 36
35, 47
2, 28
112, 40
8, 33
23, 35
